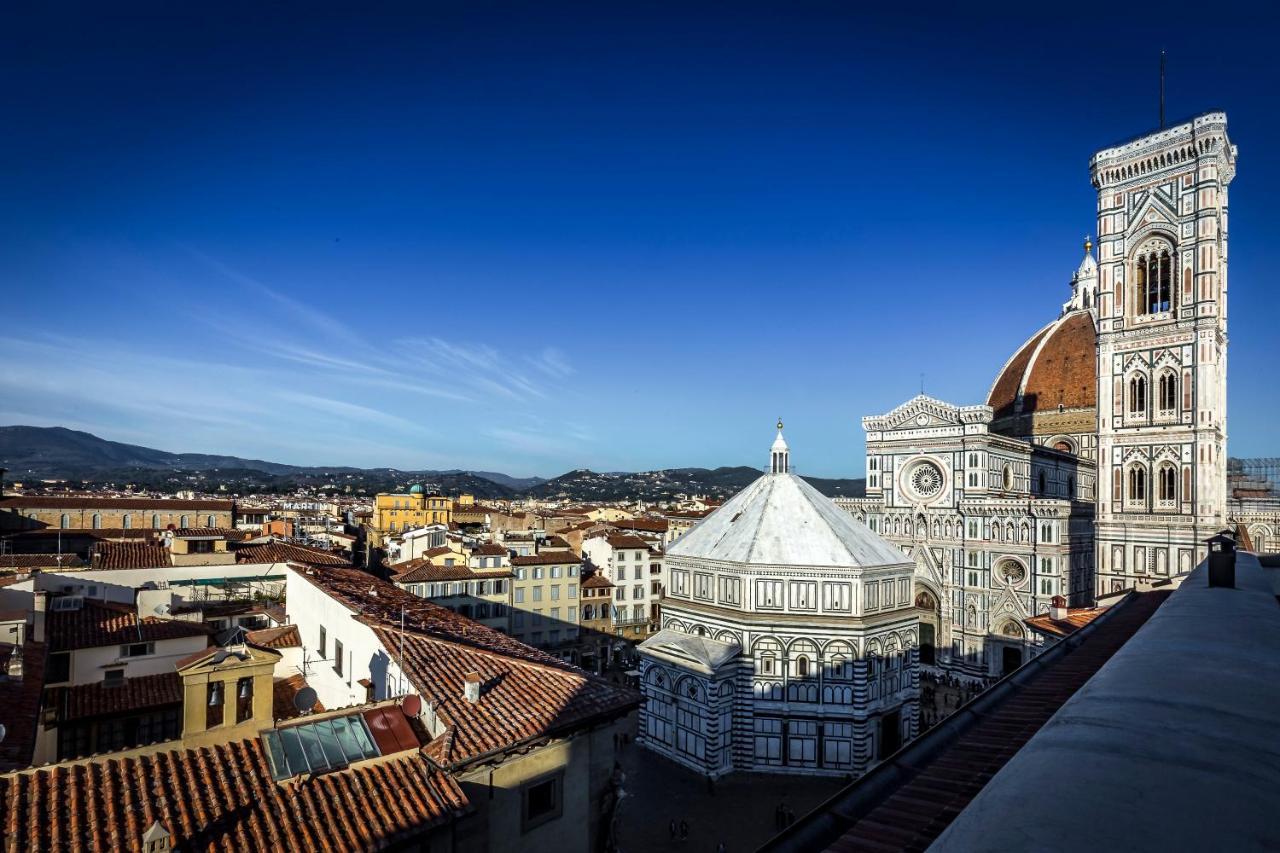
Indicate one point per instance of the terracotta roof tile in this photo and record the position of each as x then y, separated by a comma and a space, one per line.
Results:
284, 637
626, 540
283, 693
130, 555
595, 580
418, 571
208, 532
547, 558
1057, 366
1077, 618
284, 552
651, 525
489, 550
379, 603
40, 561
223, 798
82, 701
519, 699
99, 623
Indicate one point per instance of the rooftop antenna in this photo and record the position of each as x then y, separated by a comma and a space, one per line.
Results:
1162, 89
921, 384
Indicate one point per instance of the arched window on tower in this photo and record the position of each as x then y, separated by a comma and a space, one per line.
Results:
1138, 395
1154, 279
1167, 484
1137, 483
1167, 393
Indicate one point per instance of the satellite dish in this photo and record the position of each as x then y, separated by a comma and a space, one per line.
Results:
305, 699
411, 705
3, 731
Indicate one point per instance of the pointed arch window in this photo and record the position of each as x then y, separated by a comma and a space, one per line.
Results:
1137, 483
1167, 392
1154, 279
1167, 484
1138, 395
97, 521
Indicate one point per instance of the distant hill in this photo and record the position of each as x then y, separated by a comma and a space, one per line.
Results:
57, 453
587, 485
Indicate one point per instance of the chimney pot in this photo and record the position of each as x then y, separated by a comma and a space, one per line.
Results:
471, 686
40, 608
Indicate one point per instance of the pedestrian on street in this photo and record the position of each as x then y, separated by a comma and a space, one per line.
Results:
672, 829
720, 848
684, 830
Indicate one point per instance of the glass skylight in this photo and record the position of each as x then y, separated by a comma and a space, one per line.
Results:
318, 747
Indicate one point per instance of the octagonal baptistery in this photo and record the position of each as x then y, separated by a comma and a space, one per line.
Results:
788, 640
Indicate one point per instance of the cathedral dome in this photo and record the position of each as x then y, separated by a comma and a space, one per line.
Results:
781, 520
1053, 372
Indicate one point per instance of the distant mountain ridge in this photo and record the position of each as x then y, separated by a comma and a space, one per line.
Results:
58, 453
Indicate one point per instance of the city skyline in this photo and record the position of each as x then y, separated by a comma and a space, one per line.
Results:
423, 242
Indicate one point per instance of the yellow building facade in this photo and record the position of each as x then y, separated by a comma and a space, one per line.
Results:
396, 513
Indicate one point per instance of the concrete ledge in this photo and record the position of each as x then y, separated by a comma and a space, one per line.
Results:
1173, 744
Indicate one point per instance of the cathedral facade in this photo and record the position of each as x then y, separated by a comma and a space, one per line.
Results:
997, 528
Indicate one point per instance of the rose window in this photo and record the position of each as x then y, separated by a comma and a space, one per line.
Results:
926, 480
1012, 572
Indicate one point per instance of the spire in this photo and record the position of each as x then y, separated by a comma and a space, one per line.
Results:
1088, 245
779, 454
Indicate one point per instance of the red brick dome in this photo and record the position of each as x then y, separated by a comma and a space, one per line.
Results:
1055, 370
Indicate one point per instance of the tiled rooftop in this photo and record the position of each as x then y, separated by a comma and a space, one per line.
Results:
284, 552
130, 555
1077, 618
378, 603
100, 623
223, 798
283, 693
423, 571
284, 637
40, 561
83, 701
547, 558
519, 699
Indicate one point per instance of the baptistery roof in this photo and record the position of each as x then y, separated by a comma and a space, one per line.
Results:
1056, 367
781, 520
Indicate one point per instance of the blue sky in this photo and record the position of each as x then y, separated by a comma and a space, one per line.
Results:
533, 237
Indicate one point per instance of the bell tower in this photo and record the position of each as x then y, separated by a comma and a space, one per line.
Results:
1162, 349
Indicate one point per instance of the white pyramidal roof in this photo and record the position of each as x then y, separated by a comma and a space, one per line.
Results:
782, 520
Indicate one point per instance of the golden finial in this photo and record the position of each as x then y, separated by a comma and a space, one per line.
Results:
779, 424
1088, 244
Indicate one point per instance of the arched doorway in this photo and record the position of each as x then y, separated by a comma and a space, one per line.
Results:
930, 615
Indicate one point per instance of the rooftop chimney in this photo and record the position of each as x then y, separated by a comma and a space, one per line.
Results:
1058, 608
41, 608
471, 687
14, 670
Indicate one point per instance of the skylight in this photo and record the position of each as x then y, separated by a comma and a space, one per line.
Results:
319, 747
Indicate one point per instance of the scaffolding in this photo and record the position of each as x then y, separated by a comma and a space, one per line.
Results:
1260, 474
